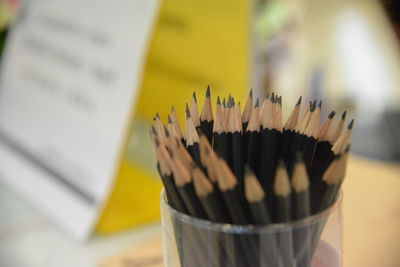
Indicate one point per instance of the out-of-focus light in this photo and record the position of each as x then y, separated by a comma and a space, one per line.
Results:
362, 63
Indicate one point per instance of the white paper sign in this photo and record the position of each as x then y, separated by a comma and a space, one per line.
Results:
70, 75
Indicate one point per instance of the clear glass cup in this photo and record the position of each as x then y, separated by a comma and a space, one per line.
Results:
315, 241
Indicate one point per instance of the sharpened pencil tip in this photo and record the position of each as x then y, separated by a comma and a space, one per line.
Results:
170, 152
172, 109
157, 142
272, 97
350, 126
194, 97
251, 93
332, 114
280, 100
218, 101
257, 102
169, 119
299, 101
344, 115
320, 104
224, 102
299, 157
208, 92
348, 149
313, 106
281, 164
248, 170
187, 111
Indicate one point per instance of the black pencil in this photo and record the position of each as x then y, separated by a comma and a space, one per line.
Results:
301, 209
188, 249
289, 129
175, 122
311, 136
184, 185
168, 180
252, 136
269, 137
203, 175
194, 112
192, 138
220, 139
211, 201
228, 185
214, 206
235, 136
323, 156
206, 117
336, 171
248, 109
282, 213
159, 126
255, 196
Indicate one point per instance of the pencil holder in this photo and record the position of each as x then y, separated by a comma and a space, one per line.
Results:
315, 241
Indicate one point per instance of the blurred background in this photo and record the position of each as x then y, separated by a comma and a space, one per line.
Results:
345, 53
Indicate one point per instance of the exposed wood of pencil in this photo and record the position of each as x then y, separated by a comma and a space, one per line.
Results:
220, 132
192, 138
252, 136
185, 188
301, 210
167, 178
335, 133
194, 111
300, 184
235, 128
175, 122
255, 196
291, 122
282, 211
248, 109
206, 117
311, 136
325, 129
289, 130
228, 185
211, 202
282, 191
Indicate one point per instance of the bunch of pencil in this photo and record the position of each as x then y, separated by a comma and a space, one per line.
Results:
251, 168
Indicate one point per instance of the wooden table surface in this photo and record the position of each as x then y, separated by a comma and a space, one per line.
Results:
371, 212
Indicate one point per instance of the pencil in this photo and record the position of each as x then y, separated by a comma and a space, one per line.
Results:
184, 185
219, 132
282, 213
301, 209
206, 117
194, 112
175, 122
248, 109
248, 168
255, 196
168, 180
252, 135
192, 137
235, 136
